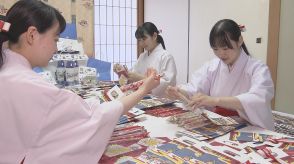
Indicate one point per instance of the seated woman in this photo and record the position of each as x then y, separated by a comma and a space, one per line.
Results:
41, 123
155, 56
234, 81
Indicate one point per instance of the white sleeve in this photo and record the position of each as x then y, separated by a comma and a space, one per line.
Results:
257, 101
200, 81
169, 70
72, 132
137, 65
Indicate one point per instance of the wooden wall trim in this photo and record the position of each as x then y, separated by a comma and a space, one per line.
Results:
140, 18
140, 21
273, 40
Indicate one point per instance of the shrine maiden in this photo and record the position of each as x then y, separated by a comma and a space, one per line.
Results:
154, 56
40, 123
234, 81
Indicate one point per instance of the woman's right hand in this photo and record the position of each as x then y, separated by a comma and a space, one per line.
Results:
172, 92
175, 93
117, 67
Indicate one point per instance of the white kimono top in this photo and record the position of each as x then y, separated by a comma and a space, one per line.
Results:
163, 62
46, 124
249, 80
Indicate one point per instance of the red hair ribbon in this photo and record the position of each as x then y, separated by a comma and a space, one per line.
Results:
242, 28
4, 26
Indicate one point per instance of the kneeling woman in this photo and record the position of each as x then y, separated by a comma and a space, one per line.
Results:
234, 80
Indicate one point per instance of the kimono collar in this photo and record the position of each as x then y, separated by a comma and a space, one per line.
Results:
239, 63
17, 58
157, 48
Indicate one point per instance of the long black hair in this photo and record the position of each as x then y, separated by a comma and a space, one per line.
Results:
224, 31
149, 28
26, 13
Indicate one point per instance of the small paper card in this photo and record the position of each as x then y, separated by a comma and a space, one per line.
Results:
115, 93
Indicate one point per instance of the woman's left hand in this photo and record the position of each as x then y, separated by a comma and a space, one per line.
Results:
201, 100
152, 81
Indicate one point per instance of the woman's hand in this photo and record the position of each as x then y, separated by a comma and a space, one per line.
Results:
151, 82
175, 93
148, 84
201, 100
172, 92
117, 68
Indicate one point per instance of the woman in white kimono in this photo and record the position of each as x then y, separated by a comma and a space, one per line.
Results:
155, 56
234, 81
40, 123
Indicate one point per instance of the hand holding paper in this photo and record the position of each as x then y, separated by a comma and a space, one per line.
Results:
175, 93
120, 70
151, 82
152, 77
201, 100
